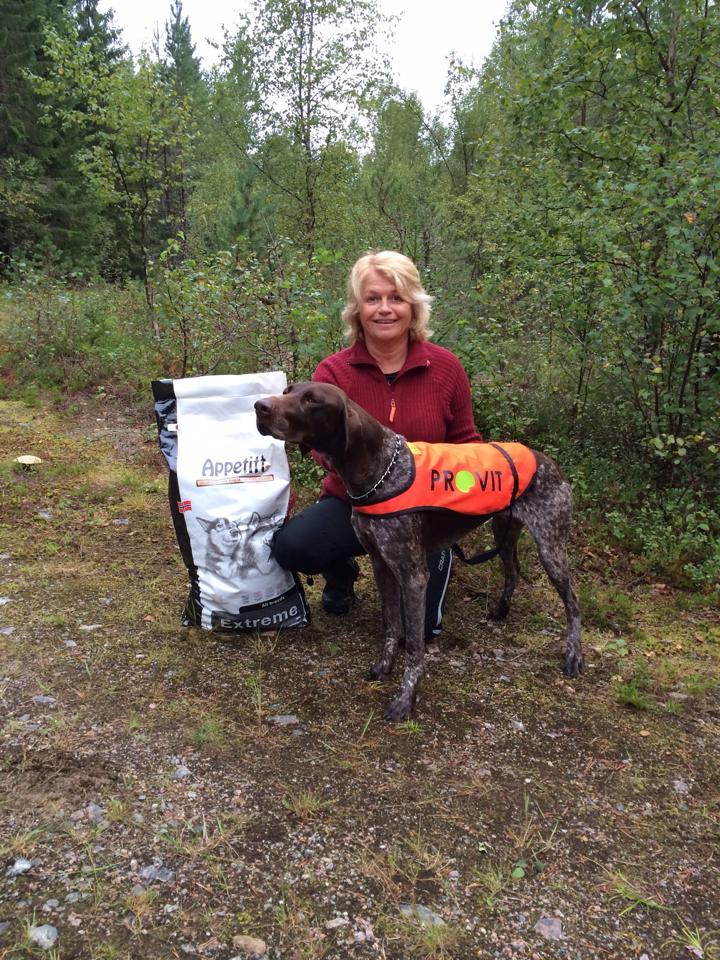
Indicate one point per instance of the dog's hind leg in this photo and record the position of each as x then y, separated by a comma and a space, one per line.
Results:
506, 530
550, 529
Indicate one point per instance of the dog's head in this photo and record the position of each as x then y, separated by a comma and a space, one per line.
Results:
315, 415
222, 533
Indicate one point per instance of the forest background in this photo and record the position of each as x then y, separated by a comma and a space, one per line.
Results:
563, 208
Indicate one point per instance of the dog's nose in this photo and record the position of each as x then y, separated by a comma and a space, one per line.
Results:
263, 407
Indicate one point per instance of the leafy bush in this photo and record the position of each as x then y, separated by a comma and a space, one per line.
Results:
676, 533
231, 313
77, 337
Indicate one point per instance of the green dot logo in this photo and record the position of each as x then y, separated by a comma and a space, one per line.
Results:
464, 481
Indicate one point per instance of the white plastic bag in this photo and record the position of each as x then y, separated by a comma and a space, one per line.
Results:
229, 489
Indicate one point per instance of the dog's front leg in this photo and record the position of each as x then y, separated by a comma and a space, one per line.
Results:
392, 619
413, 588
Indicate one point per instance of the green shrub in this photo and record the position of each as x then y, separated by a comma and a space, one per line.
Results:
676, 533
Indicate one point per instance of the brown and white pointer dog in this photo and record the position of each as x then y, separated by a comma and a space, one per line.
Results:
321, 417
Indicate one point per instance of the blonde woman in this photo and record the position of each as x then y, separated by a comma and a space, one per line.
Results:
409, 384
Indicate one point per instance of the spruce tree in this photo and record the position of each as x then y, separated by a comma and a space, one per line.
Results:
24, 142
183, 65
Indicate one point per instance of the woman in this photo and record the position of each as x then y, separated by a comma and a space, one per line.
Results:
412, 386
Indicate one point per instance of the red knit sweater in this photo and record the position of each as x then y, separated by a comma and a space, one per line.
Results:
428, 400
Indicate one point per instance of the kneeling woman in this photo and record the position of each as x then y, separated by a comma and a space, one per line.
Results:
415, 387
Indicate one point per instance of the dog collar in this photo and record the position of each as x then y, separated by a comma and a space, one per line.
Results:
383, 478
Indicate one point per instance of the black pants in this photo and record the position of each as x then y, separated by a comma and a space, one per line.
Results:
321, 538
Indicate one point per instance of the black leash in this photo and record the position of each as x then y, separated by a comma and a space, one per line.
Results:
478, 558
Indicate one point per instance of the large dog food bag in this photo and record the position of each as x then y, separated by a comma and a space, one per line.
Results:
229, 489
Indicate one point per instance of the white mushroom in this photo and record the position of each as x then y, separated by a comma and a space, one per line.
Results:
28, 460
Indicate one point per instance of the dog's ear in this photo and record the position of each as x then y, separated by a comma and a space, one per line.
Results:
205, 524
352, 425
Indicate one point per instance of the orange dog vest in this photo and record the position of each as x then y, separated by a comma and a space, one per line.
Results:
472, 478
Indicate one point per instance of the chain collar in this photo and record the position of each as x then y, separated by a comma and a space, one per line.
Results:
383, 478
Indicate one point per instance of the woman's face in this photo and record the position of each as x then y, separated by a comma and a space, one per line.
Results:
384, 316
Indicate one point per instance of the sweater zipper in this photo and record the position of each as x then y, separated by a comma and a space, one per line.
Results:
393, 406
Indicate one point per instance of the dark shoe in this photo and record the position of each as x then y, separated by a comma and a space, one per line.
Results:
338, 595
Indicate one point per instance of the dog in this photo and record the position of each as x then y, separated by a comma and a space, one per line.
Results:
232, 549
377, 464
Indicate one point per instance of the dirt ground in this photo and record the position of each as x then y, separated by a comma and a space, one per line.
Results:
166, 792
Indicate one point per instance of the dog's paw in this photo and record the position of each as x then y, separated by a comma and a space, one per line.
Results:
574, 663
499, 612
379, 671
398, 709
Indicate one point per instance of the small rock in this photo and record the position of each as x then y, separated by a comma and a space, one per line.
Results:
70, 643
121, 522
336, 922
50, 905
106, 601
550, 928
73, 897
181, 772
45, 514
284, 719
416, 911
4, 600
94, 812
170, 908
44, 936
138, 890
161, 873
20, 866
7, 631
643, 956
679, 786
4, 927
518, 725
87, 627
676, 695
249, 945
43, 699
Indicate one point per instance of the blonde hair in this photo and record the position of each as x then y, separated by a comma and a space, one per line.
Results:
399, 269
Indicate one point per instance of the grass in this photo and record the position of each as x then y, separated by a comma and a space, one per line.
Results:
696, 942
607, 609
416, 937
210, 731
339, 815
634, 893
23, 843
305, 804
